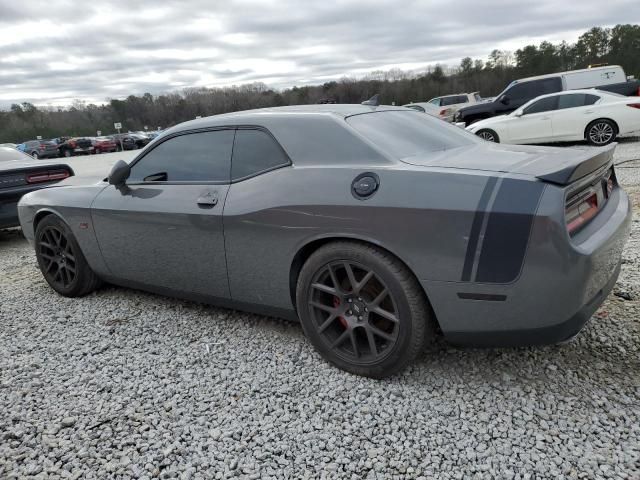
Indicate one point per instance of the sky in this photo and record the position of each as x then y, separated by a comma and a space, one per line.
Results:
56, 51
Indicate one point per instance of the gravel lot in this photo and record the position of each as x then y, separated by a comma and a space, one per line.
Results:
123, 384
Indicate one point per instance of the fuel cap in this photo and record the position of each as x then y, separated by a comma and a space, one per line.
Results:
365, 185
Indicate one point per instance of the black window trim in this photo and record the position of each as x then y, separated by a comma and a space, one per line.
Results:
210, 182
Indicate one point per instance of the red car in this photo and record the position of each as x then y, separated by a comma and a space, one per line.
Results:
104, 144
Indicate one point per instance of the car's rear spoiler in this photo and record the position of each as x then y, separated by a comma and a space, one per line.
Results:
578, 164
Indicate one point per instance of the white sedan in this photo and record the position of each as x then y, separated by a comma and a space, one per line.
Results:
593, 115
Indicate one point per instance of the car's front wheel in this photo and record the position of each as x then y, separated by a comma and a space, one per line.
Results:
35, 155
601, 132
488, 135
61, 261
362, 309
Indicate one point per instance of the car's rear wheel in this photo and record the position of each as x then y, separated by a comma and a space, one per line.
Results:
61, 261
488, 135
601, 132
362, 309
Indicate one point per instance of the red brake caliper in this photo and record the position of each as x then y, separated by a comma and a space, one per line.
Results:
336, 304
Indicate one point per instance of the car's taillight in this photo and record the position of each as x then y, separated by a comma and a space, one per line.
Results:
49, 176
633, 105
580, 212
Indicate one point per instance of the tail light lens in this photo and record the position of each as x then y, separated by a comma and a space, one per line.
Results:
48, 176
580, 212
633, 105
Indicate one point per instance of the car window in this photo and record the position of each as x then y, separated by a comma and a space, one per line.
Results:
590, 99
203, 156
574, 100
435, 101
404, 134
534, 88
255, 151
477, 97
542, 105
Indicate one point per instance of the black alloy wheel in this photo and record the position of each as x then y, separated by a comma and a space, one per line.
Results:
354, 312
61, 261
58, 257
362, 309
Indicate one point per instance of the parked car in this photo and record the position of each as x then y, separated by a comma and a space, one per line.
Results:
416, 223
130, 141
519, 92
75, 146
448, 105
592, 115
20, 174
103, 144
41, 148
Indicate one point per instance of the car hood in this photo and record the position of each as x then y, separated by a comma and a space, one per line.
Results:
487, 122
551, 164
476, 108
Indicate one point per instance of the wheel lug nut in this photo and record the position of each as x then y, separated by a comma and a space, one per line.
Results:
360, 318
350, 300
349, 312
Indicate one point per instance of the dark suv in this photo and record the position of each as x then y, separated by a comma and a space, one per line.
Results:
76, 146
41, 148
513, 97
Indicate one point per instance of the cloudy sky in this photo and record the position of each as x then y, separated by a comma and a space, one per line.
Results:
55, 51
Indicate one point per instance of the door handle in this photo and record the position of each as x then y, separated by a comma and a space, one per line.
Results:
208, 199
588, 112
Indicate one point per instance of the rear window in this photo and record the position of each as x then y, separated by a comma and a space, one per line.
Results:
404, 134
573, 100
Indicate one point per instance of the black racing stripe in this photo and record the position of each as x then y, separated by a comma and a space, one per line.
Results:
476, 226
508, 229
488, 297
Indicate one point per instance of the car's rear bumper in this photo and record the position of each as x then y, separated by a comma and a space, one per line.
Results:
562, 283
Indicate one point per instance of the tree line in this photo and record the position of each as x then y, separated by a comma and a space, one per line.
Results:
618, 45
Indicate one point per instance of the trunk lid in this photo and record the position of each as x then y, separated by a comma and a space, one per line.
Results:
561, 166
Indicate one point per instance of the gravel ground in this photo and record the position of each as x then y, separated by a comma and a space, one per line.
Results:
123, 384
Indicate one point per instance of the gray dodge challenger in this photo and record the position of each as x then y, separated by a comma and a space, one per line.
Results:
375, 226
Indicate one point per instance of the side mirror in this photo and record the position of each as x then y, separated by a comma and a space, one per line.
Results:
505, 100
119, 173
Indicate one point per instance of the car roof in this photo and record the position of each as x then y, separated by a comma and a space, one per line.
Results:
259, 115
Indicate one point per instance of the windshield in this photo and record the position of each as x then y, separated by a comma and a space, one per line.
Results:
404, 134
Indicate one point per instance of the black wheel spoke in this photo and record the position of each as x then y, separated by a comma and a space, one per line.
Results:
341, 339
385, 314
380, 297
324, 288
334, 279
379, 333
354, 342
372, 342
352, 278
327, 323
324, 307
363, 283
70, 269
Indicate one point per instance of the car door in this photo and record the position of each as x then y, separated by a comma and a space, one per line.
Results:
534, 125
575, 111
252, 219
164, 228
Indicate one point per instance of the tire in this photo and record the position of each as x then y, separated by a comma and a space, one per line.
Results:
342, 321
35, 155
61, 261
67, 153
488, 135
601, 132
